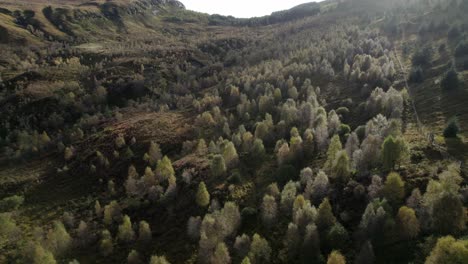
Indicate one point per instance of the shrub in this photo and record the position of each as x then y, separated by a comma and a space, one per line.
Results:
453, 33
344, 130
286, 173
423, 57
450, 80
343, 111
452, 129
416, 75
461, 49
11, 203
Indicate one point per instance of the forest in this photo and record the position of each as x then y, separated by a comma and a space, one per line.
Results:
137, 131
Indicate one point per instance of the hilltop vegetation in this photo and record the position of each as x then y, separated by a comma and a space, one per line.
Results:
141, 132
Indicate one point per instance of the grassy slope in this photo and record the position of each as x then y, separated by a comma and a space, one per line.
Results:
435, 106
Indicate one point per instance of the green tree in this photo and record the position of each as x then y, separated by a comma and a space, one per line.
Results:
334, 147
450, 80
144, 232
448, 214
278, 95
258, 151
261, 131
448, 250
366, 255
126, 233
8, 230
106, 245
341, 168
69, 153
159, 260
292, 241
218, 166
309, 143
246, 260
202, 148
288, 195
423, 57
269, 210
230, 155
203, 196
343, 131
283, 154
407, 223
394, 189
148, 177
97, 208
58, 239
335, 257
416, 75
389, 153
153, 154
221, 255
338, 236
260, 250
112, 213
311, 244
42, 256
394, 151
165, 169
120, 141
242, 246
325, 217
128, 153
133, 257
44, 139
296, 149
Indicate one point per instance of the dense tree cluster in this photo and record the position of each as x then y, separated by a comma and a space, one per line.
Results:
295, 151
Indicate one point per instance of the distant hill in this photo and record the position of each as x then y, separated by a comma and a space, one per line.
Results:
48, 20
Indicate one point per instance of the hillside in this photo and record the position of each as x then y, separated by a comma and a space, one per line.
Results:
141, 132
